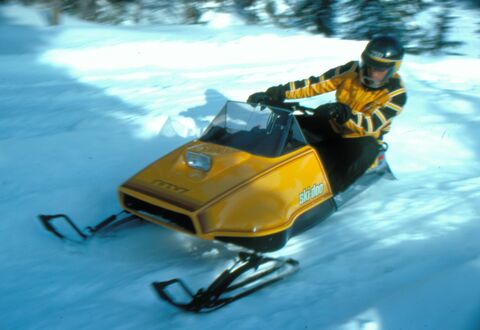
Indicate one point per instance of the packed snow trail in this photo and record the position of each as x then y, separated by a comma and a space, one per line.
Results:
85, 106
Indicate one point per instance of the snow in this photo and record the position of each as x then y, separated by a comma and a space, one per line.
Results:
86, 106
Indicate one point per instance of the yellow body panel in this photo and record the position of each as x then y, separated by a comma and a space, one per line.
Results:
242, 195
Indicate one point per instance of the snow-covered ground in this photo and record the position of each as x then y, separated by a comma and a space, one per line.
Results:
83, 107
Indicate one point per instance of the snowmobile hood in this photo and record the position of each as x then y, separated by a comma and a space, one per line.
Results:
172, 179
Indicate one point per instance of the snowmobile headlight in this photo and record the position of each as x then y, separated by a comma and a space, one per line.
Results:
199, 161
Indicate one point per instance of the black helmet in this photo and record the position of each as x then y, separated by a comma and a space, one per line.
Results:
382, 53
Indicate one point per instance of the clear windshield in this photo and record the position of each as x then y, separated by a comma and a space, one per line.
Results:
261, 130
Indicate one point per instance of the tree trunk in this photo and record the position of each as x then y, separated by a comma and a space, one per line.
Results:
138, 12
56, 9
88, 9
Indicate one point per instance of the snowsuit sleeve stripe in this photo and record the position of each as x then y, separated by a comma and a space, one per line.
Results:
369, 124
378, 120
312, 86
396, 92
389, 112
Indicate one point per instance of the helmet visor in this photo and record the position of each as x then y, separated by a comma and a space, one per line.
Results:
375, 75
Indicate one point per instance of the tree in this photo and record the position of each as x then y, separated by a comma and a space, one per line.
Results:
365, 19
445, 21
316, 15
88, 9
404, 19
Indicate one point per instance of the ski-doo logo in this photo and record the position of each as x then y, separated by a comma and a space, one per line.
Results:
169, 186
310, 193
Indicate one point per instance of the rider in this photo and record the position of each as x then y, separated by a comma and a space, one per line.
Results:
369, 95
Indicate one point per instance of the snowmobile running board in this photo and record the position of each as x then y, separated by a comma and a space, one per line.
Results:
266, 270
90, 231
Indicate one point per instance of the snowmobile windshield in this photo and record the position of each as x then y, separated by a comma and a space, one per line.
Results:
261, 130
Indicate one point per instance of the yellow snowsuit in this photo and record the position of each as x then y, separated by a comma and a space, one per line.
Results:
373, 110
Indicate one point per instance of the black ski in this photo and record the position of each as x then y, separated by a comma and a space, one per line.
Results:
231, 284
111, 221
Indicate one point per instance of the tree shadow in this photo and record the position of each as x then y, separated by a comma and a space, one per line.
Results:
204, 113
67, 132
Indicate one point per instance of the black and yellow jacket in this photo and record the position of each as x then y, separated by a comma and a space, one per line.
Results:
373, 110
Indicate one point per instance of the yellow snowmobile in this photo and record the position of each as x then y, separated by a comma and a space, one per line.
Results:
251, 179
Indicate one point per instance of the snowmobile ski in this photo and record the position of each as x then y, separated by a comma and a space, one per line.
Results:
230, 285
111, 221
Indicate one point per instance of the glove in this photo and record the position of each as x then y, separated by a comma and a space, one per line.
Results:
274, 95
341, 113
277, 93
260, 97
